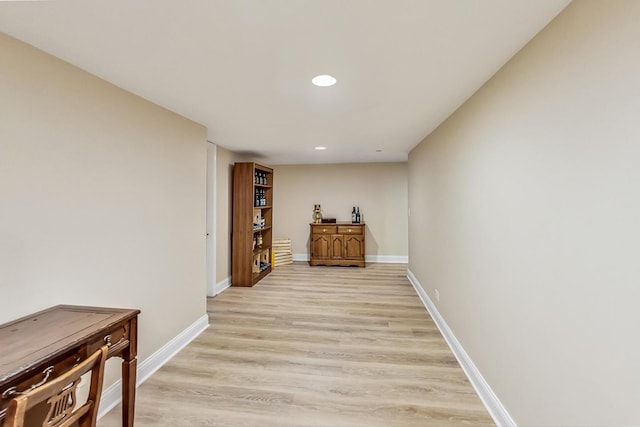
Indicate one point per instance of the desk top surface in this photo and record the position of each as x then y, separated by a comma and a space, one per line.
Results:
25, 342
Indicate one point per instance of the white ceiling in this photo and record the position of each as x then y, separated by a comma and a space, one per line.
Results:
243, 68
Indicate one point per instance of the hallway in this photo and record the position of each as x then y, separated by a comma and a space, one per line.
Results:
313, 346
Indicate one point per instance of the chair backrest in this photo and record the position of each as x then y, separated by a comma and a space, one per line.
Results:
60, 395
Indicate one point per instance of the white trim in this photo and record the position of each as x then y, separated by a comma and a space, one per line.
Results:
212, 155
221, 286
217, 288
113, 394
301, 257
496, 409
389, 259
396, 259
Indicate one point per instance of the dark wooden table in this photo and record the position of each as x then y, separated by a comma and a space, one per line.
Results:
43, 345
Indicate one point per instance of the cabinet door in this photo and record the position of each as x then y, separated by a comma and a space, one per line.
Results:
337, 246
320, 246
354, 247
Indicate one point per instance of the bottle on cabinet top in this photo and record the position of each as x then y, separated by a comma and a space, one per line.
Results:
353, 214
357, 221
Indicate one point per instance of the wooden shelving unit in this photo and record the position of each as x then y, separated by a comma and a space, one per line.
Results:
252, 223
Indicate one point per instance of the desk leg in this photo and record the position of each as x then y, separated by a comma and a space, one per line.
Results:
129, 369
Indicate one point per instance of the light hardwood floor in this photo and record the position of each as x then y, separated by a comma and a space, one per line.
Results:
313, 346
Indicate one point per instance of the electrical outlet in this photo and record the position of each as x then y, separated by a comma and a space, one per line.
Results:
437, 295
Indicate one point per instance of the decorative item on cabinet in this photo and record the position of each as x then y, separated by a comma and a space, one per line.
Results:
355, 215
317, 214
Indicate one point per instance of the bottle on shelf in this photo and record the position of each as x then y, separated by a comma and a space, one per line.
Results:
358, 215
259, 240
353, 214
258, 197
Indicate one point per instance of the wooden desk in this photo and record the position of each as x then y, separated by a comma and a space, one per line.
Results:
55, 339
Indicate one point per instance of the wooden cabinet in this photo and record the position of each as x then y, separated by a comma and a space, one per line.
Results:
252, 223
337, 244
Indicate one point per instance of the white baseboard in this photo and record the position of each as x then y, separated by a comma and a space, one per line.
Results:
216, 289
112, 395
388, 259
368, 258
219, 287
301, 257
497, 411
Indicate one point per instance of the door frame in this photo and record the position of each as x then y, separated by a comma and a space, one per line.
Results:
212, 157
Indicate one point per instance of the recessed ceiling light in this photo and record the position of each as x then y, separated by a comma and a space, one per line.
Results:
324, 80
321, 148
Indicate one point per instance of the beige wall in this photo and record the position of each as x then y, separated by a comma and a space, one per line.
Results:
102, 198
380, 189
525, 216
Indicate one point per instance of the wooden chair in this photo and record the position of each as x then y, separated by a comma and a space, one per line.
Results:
60, 395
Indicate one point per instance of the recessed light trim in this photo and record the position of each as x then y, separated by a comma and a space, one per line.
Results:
324, 80
319, 148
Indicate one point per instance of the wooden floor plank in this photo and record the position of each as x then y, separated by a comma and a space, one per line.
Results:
313, 346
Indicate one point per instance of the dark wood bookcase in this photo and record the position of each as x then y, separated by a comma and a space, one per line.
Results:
252, 233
